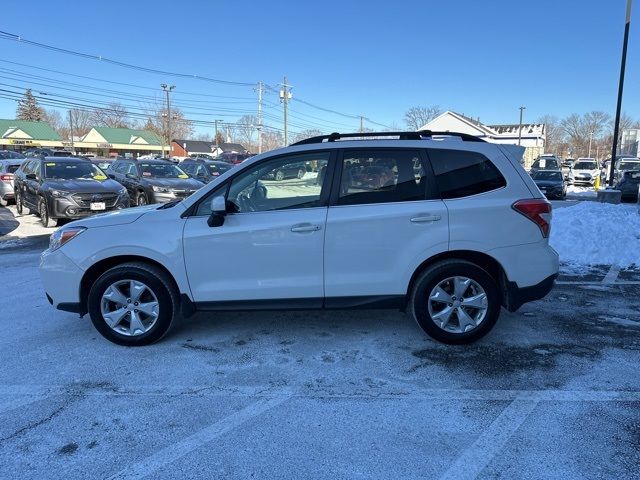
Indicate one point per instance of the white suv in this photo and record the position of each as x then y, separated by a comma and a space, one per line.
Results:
446, 226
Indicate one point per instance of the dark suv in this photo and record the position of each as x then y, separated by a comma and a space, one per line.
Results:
68, 188
153, 181
204, 169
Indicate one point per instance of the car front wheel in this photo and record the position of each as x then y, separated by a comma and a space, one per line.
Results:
46, 220
133, 304
20, 208
141, 199
455, 302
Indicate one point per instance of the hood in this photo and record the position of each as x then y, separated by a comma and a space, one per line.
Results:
179, 183
83, 185
585, 170
115, 217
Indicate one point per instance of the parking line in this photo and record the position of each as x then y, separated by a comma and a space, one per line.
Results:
611, 275
178, 450
619, 282
478, 455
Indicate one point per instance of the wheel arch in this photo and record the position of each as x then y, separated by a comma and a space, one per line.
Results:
483, 260
98, 268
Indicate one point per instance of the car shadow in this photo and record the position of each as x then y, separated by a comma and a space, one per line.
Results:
8, 222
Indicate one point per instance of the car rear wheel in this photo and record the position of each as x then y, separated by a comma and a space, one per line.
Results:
455, 302
46, 220
279, 175
141, 199
133, 304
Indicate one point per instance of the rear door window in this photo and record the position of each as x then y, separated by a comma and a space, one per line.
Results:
461, 174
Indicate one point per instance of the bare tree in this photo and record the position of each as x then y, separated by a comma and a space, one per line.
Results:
245, 131
418, 117
204, 137
113, 115
554, 135
28, 108
306, 134
157, 122
82, 122
271, 139
54, 119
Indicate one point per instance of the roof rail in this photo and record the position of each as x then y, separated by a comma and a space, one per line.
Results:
415, 135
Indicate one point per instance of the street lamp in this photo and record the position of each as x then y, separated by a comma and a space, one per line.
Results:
520, 127
590, 138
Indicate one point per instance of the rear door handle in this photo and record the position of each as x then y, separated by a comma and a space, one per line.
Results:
425, 218
305, 227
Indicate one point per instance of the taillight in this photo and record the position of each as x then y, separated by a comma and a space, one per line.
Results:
6, 177
538, 211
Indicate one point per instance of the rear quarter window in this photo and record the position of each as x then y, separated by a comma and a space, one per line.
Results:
461, 174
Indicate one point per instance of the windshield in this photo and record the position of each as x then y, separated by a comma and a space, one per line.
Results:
629, 165
541, 175
585, 166
219, 168
13, 168
546, 163
161, 170
73, 170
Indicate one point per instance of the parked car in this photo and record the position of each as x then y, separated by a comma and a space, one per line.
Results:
584, 172
544, 162
624, 164
8, 168
204, 169
567, 165
629, 184
65, 188
551, 183
153, 181
285, 172
234, 158
451, 246
7, 154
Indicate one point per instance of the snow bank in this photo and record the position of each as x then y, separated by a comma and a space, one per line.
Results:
581, 192
590, 233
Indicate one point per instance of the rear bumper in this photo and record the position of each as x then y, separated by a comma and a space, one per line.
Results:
518, 296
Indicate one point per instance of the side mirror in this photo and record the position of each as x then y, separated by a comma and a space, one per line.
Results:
111, 176
218, 212
30, 176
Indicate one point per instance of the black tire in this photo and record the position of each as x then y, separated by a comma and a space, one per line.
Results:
20, 208
160, 284
43, 211
279, 175
427, 281
141, 199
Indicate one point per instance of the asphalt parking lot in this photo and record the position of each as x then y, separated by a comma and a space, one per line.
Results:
552, 392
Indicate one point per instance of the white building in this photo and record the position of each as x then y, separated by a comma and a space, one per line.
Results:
532, 136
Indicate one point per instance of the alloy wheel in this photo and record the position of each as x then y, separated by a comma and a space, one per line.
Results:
458, 304
129, 307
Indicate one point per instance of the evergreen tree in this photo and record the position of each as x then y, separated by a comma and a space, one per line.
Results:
28, 108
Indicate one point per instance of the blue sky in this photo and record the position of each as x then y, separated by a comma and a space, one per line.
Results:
373, 58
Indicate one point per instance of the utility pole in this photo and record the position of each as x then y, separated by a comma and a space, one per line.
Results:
285, 96
616, 125
590, 139
73, 149
361, 124
167, 89
520, 127
215, 139
259, 125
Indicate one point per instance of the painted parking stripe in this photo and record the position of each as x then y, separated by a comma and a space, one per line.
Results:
478, 455
611, 275
171, 453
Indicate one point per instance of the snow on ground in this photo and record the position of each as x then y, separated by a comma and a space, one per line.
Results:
29, 226
591, 233
581, 192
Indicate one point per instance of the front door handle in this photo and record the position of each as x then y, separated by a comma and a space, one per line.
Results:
305, 227
425, 218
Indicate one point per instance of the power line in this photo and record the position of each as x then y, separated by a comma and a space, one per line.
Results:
20, 39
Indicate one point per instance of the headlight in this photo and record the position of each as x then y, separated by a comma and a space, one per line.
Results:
59, 193
161, 189
62, 236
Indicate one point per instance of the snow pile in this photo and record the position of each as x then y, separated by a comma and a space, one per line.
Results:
581, 192
592, 233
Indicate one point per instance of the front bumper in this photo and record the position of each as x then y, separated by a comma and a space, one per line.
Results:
67, 208
61, 280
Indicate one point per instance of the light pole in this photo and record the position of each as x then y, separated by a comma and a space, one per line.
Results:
590, 139
285, 96
167, 89
520, 127
616, 125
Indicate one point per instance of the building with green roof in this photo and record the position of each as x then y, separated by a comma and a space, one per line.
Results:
119, 141
21, 134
